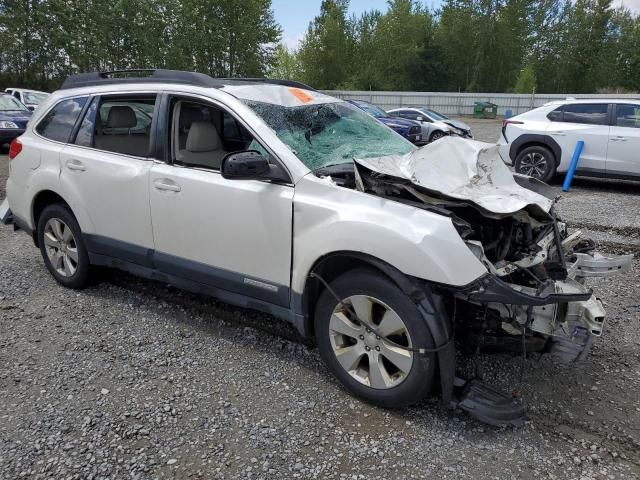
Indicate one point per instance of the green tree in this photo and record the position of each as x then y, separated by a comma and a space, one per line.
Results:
326, 50
526, 81
285, 64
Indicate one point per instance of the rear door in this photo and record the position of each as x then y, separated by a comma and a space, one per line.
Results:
105, 171
623, 156
582, 121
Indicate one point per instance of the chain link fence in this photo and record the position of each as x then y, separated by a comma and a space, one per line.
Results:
462, 103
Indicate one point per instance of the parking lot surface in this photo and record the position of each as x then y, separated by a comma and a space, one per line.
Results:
134, 379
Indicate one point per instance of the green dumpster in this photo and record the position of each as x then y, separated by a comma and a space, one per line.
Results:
485, 110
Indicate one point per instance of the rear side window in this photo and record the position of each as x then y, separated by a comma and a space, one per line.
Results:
119, 125
628, 116
589, 113
59, 122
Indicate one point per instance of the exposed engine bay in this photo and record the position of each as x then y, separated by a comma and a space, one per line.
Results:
534, 293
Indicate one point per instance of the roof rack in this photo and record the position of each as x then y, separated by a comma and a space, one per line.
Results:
125, 76
165, 76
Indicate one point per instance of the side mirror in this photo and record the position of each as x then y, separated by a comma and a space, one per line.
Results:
251, 165
31, 107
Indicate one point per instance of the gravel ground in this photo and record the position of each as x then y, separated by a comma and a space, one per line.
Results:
134, 379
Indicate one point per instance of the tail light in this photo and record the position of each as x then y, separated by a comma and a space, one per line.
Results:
15, 148
511, 122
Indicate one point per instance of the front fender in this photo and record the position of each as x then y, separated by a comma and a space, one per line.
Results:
419, 243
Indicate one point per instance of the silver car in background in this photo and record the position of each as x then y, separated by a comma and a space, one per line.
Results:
434, 125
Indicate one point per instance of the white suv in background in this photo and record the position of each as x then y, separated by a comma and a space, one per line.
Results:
540, 143
270, 195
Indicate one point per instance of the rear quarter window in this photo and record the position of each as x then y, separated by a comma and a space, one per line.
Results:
59, 122
588, 113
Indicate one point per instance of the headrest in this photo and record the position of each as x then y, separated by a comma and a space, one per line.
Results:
121, 116
203, 137
189, 114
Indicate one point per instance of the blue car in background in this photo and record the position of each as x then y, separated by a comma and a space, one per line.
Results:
409, 129
14, 116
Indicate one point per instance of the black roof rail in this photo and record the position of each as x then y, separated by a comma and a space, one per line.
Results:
166, 76
125, 76
270, 81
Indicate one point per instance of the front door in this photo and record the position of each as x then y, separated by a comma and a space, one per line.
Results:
233, 235
623, 156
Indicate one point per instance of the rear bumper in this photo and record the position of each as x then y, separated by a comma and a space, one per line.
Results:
8, 134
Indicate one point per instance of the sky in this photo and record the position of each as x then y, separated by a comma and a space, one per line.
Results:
294, 15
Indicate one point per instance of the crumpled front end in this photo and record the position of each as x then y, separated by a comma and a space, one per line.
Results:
534, 294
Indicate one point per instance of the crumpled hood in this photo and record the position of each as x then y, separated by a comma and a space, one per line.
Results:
457, 124
467, 170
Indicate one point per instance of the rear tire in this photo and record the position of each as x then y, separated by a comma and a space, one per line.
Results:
62, 247
366, 365
536, 161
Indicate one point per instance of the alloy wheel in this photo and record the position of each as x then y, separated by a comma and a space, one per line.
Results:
61, 247
534, 164
367, 357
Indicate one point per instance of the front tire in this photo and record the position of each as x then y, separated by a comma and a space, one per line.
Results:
437, 135
368, 366
62, 247
536, 161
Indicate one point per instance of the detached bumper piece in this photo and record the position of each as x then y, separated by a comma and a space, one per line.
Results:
5, 213
489, 405
490, 289
598, 265
571, 347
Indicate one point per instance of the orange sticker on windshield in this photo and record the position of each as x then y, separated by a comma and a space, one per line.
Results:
301, 95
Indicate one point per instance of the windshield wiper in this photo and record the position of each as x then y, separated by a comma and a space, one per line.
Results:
334, 169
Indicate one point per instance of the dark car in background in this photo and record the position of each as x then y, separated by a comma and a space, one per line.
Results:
409, 129
14, 116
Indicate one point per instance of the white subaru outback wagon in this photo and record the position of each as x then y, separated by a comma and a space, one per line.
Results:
270, 195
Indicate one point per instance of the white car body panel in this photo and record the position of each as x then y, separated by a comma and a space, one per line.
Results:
623, 152
594, 152
241, 226
329, 219
113, 189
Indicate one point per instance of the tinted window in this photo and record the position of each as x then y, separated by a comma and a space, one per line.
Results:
590, 113
628, 116
58, 123
556, 115
87, 127
123, 125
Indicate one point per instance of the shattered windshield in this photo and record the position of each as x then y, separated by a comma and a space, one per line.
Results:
330, 133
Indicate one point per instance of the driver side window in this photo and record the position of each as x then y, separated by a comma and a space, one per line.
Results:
202, 135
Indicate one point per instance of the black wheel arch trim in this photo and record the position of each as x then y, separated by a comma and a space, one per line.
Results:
531, 138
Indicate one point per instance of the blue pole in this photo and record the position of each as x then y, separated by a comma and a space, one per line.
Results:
572, 167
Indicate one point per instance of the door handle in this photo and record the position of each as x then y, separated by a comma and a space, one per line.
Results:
76, 165
618, 138
164, 184
559, 134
